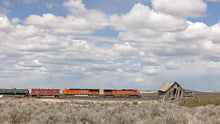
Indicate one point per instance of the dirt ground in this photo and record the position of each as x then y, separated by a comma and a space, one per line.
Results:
31, 100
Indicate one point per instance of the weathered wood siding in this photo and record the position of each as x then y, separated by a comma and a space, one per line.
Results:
175, 92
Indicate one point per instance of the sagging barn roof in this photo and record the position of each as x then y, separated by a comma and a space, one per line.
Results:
166, 86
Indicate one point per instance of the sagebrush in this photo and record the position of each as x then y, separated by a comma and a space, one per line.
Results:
197, 101
73, 112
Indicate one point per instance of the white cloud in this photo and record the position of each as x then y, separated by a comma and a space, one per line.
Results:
120, 70
141, 17
139, 79
151, 69
36, 62
25, 31
21, 63
29, 1
124, 48
60, 25
5, 24
49, 6
44, 20
6, 3
151, 47
4, 11
207, 45
76, 7
182, 8
215, 32
146, 36
78, 10
16, 20
80, 21
172, 65
212, 0
195, 31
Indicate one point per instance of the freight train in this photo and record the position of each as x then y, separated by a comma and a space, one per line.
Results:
70, 92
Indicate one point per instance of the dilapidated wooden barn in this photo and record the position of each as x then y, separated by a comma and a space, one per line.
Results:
172, 91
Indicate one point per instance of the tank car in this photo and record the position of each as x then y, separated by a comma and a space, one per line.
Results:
14, 91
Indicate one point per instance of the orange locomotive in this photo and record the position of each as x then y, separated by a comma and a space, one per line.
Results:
122, 93
69, 91
102, 92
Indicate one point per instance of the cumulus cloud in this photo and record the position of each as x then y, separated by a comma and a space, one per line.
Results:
151, 69
182, 8
76, 7
80, 20
215, 32
49, 6
139, 79
124, 49
212, 0
6, 3
151, 46
29, 1
141, 17
5, 24
3, 11
195, 31
16, 20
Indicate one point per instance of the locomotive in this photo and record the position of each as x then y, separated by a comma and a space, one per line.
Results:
71, 92
102, 92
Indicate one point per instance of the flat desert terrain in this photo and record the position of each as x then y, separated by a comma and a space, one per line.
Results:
96, 111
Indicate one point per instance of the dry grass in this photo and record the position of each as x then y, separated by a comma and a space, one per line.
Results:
197, 101
73, 112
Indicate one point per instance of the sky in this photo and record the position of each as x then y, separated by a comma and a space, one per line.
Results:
110, 44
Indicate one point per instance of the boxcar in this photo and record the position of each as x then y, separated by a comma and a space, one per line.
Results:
45, 92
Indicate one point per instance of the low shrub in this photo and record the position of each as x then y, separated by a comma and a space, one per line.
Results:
107, 113
197, 101
135, 102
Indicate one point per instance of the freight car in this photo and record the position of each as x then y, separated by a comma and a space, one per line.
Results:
14, 92
68, 92
45, 92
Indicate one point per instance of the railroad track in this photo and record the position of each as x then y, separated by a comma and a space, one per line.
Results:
79, 98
